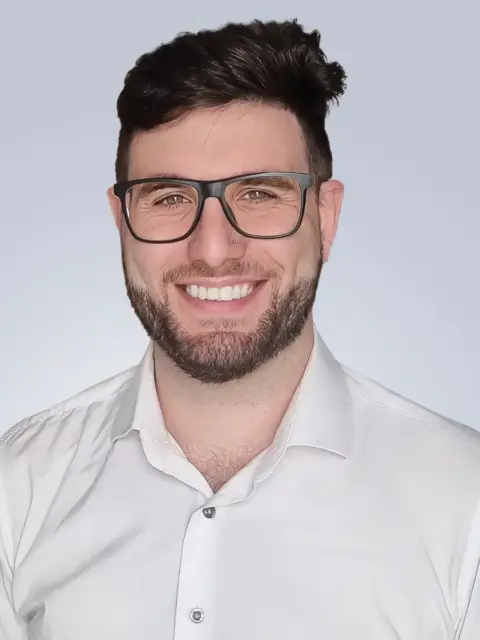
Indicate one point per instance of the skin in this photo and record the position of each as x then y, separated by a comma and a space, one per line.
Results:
222, 427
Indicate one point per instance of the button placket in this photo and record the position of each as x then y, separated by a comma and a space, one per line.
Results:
195, 582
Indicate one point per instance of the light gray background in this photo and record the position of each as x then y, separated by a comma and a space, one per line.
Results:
399, 300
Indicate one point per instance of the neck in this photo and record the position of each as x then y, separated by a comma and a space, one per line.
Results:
233, 421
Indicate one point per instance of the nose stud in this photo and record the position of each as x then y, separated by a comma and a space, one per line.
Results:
234, 241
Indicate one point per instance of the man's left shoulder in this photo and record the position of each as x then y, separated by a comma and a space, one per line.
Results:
424, 470
406, 427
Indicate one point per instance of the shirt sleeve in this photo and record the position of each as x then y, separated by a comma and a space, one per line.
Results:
469, 586
11, 626
470, 629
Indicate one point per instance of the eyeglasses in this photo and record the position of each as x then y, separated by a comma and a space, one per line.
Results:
257, 205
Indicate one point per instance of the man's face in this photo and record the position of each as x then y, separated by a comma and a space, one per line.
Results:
216, 341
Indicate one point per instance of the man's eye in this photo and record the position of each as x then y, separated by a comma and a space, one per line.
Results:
172, 199
257, 194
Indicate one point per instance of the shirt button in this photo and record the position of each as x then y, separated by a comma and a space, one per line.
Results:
197, 615
209, 512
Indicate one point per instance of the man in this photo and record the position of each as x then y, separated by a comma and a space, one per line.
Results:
239, 483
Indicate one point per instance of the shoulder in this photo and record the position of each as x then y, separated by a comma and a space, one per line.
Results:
37, 453
427, 455
58, 429
428, 466
386, 410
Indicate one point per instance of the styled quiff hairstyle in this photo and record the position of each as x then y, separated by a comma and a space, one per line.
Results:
277, 63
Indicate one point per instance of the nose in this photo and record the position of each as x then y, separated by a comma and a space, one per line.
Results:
212, 240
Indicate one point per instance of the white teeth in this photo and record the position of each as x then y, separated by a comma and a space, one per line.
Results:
212, 294
220, 293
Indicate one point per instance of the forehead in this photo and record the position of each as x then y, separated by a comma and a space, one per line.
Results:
210, 144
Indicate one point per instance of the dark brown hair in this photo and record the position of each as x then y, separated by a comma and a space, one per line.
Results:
269, 62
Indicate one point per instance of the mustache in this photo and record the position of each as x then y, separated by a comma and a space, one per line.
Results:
233, 268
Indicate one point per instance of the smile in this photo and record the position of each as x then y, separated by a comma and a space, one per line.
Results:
220, 294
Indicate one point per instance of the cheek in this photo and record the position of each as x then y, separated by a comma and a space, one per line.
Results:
310, 246
146, 264
301, 254
133, 269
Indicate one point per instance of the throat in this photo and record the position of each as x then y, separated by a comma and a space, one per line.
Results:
218, 466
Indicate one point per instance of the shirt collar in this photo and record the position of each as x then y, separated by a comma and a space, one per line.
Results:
323, 409
319, 416
138, 407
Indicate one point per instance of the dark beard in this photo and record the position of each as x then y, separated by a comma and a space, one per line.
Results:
223, 355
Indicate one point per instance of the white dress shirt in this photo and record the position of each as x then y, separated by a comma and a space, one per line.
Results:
360, 522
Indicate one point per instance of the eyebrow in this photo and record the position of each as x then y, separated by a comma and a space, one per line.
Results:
176, 176
281, 182
163, 174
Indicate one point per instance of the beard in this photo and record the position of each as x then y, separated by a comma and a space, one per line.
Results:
224, 353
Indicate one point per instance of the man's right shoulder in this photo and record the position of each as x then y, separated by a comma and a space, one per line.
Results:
64, 421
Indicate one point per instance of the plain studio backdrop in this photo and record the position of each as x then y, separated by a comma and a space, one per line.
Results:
399, 299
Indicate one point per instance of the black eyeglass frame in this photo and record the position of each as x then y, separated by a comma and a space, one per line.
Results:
215, 189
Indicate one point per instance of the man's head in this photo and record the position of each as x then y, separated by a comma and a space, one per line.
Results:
224, 285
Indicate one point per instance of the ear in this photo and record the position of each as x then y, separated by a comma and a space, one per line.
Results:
329, 206
115, 208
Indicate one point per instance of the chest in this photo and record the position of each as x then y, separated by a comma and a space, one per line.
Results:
157, 561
